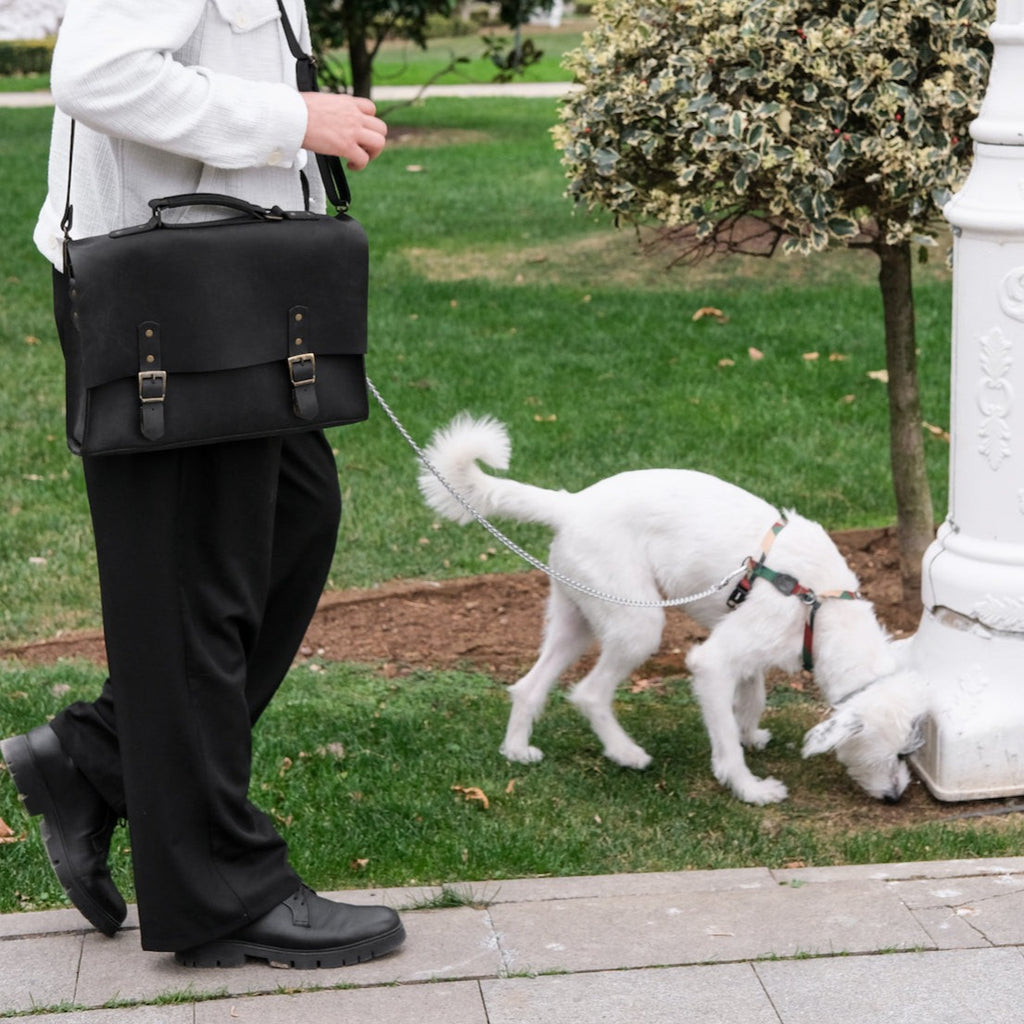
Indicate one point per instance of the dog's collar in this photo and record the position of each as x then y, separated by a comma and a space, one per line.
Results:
860, 689
788, 585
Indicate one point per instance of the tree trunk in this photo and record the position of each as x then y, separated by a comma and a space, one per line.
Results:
915, 522
361, 64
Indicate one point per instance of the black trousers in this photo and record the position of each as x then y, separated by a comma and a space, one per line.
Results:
211, 561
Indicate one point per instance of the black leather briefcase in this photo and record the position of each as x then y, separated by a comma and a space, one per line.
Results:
246, 325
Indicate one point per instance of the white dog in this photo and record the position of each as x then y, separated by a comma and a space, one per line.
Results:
649, 534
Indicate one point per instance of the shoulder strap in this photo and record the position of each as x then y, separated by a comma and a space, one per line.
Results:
331, 171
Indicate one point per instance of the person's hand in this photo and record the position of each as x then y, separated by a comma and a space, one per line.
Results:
344, 126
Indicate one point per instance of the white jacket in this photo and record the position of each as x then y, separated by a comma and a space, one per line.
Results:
173, 96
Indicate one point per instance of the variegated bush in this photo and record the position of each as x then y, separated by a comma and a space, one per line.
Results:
829, 121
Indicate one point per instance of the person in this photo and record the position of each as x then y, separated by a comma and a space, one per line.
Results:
211, 559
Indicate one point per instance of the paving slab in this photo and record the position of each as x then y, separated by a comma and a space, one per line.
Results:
697, 995
905, 870
42, 922
183, 1014
948, 928
441, 944
38, 972
456, 1002
676, 883
984, 986
622, 932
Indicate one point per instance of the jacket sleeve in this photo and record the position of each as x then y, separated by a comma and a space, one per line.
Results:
211, 80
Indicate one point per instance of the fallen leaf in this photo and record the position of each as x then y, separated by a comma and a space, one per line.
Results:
810, 357
414, 168
649, 683
795, 864
551, 418
511, 787
726, 362
31, 339
7, 834
359, 863
938, 432
710, 311
882, 375
473, 793
835, 357
755, 354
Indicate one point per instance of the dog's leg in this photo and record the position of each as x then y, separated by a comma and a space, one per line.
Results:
715, 681
635, 638
749, 706
566, 638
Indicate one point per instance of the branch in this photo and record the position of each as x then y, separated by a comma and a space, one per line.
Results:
740, 232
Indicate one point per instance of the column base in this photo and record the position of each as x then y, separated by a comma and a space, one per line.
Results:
974, 736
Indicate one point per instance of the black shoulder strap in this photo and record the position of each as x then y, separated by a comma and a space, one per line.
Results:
331, 171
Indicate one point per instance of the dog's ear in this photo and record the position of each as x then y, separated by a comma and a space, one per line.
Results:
827, 735
915, 740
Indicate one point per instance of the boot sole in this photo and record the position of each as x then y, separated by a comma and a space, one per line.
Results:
233, 953
35, 795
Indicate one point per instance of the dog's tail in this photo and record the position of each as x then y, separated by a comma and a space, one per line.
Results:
454, 451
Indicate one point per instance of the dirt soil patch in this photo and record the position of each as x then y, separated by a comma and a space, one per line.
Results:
491, 623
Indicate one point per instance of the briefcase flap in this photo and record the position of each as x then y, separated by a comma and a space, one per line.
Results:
222, 292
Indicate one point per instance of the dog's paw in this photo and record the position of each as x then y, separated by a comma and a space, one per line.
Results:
629, 757
758, 739
521, 755
763, 791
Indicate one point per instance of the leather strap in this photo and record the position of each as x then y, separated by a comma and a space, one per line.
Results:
152, 382
301, 365
331, 171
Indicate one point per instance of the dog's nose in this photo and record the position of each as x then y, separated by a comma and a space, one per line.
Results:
891, 798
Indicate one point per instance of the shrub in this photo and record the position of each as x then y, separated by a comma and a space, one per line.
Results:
820, 117
25, 57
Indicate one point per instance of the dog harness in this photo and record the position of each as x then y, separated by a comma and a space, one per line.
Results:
788, 585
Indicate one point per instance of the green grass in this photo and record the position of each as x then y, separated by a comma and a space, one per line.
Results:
357, 771
402, 63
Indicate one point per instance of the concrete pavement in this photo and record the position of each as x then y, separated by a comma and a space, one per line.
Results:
924, 943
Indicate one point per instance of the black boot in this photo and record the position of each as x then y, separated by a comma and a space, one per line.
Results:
305, 931
76, 827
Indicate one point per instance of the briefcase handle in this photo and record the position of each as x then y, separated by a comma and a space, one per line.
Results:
214, 199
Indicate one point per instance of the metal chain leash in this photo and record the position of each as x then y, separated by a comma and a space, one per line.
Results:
553, 573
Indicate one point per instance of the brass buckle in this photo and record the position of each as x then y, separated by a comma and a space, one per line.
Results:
152, 377
302, 369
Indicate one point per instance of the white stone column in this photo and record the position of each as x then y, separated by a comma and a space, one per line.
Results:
970, 644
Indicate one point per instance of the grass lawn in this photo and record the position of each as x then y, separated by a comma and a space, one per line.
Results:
490, 294
402, 63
